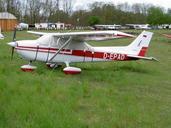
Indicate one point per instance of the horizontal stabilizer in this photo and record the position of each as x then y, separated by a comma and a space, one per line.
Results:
142, 57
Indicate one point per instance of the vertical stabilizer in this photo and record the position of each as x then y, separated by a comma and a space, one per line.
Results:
140, 45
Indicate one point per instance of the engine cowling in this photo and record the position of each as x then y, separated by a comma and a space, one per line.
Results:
72, 70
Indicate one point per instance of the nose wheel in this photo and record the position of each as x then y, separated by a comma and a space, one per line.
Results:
28, 67
53, 65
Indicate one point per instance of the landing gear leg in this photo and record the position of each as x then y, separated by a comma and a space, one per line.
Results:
67, 64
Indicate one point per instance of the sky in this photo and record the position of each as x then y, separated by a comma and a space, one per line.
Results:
79, 4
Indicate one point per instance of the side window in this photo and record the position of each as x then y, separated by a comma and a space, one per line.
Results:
56, 42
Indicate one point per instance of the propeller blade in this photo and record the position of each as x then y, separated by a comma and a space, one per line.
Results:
12, 53
14, 35
13, 43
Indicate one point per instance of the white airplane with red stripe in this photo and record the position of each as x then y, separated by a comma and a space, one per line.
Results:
57, 48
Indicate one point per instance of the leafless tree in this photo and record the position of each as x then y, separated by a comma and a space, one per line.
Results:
68, 6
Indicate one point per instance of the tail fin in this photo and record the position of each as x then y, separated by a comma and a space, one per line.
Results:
140, 45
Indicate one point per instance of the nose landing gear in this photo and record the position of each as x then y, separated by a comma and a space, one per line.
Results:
28, 67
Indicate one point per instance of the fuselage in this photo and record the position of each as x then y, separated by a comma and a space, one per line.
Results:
31, 50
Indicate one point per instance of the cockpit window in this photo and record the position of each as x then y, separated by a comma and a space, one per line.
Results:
44, 40
57, 42
52, 41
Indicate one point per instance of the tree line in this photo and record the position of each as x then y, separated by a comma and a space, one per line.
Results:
36, 11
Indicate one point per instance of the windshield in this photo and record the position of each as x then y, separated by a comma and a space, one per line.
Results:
44, 40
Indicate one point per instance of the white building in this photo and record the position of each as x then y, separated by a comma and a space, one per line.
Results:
60, 26
22, 26
41, 25
139, 26
107, 27
49, 26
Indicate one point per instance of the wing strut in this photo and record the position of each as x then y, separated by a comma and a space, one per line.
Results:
65, 44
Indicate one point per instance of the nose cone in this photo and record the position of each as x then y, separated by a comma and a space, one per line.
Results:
12, 44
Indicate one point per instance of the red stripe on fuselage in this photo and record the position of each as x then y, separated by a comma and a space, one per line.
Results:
83, 53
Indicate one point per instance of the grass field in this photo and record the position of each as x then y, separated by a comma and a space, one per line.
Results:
133, 94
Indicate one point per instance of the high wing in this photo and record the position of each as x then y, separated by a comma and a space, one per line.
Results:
89, 35
37, 33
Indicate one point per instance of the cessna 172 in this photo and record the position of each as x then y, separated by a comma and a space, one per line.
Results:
57, 48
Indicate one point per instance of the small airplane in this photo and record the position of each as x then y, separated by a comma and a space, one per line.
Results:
1, 36
64, 48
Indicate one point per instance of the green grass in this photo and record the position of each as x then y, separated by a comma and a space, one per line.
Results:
133, 94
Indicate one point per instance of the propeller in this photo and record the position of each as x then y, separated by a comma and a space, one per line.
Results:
13, 44
14, 35
12, 53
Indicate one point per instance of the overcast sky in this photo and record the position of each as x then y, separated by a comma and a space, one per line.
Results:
79, 4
